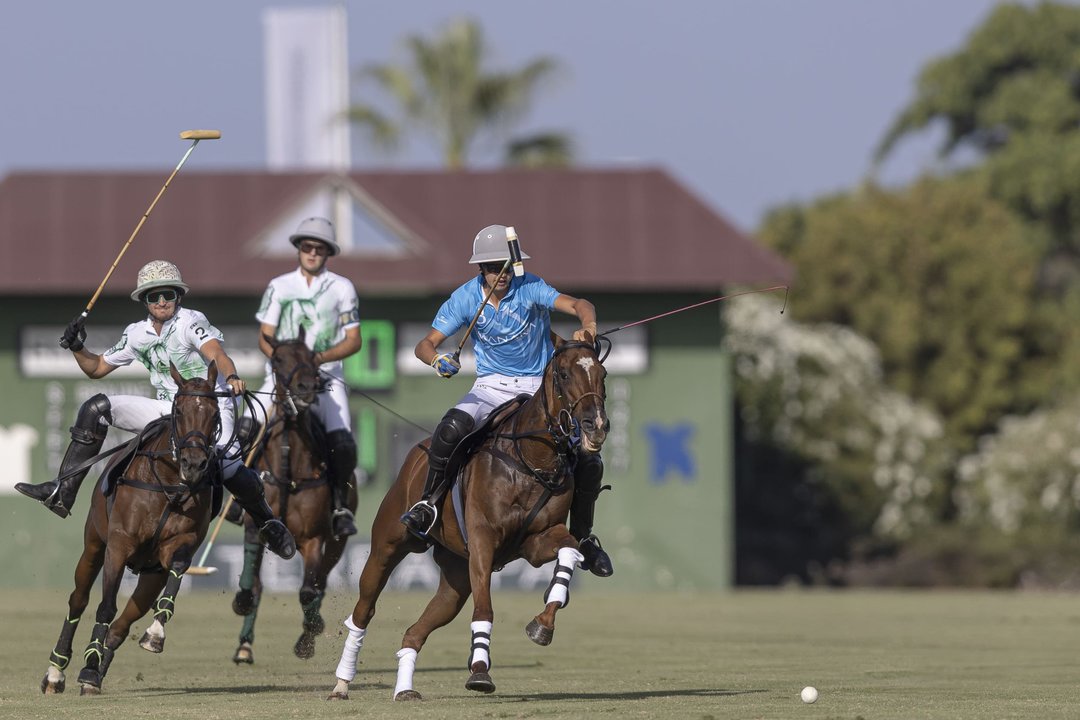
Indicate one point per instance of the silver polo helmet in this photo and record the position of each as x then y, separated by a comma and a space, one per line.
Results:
489, 245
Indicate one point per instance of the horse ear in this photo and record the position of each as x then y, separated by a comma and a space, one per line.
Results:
176, 376
302, 334
555, 339
211, 372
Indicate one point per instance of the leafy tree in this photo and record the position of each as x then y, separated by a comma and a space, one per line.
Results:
1011, 98
445, 90
940, 278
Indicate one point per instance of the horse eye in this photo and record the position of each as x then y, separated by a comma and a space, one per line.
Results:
564, 375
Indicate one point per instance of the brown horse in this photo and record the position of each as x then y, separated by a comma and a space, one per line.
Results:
297, 488
151, 523
511, 501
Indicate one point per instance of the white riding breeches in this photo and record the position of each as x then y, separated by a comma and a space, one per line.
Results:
134, 412
491, 391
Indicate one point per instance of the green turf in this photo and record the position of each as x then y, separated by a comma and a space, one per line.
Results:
740, 655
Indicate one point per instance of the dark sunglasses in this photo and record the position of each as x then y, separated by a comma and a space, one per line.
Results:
317, 248
155, 296
491, 268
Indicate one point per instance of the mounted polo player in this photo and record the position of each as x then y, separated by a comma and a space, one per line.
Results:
169, 334
324, 306
512, 346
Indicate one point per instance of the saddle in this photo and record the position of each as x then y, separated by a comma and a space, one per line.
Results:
115, 470
455, 464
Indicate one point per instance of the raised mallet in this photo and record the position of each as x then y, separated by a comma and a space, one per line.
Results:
195, 135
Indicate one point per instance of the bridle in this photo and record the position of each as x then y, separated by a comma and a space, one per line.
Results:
287, 397
195, 439
564, 427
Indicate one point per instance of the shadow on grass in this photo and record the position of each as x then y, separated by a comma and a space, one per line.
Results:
633, 695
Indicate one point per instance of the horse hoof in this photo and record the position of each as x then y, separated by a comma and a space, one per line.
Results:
538, 633
244, 654
152, 643
87, 689
308, 595
338, 696
243, 603
305, 647
480, 682
54, 687
408, 695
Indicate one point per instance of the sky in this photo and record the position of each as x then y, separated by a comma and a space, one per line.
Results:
749, 103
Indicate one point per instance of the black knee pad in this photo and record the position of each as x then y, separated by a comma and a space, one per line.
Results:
589, 473
88, 427
452, 429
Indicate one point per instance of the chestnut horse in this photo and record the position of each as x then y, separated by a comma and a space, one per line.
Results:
152, 523
510, 501
291, 463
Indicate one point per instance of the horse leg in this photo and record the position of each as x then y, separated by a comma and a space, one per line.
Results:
385, 556
539, 549
310, 599
140, 602
153, 640
86, 571
96, 652
444, 606
481, 553
246, 602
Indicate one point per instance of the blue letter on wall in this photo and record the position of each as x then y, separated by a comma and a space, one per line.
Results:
670, 451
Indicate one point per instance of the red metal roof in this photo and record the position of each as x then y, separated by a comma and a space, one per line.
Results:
619, 230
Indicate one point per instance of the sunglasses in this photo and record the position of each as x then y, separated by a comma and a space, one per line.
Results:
156, 296
491, 268
316, 247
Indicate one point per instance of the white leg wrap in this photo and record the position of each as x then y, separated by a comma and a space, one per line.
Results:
346, 669
481, 643
406, 665
559, 590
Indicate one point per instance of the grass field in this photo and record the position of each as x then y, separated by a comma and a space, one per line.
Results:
739, 655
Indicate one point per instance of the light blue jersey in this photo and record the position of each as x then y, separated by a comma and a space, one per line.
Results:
513, 339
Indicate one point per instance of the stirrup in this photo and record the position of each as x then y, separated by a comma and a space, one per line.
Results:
411, 520
350, 520
52, 501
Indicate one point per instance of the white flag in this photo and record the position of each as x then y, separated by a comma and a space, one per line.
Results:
307, 88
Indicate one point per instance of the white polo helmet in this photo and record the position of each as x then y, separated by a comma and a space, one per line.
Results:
156, 274
316, 228
489, 245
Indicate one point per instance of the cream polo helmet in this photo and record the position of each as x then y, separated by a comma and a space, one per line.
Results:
489, 245
157, 274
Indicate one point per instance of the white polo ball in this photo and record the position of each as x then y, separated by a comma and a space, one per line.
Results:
808, 694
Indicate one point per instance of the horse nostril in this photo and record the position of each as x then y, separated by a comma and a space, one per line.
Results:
607, 425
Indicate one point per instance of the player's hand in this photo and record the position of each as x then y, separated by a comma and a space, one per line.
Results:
445, 365
237, 384
74, 335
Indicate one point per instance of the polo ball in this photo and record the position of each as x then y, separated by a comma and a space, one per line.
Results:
808, 694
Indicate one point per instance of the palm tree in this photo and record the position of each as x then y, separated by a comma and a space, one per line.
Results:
445, 90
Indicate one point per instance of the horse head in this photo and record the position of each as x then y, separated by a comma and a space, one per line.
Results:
195, 423
574, 383
296, 376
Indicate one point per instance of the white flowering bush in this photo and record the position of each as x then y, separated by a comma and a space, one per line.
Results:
815, 392
1025, 476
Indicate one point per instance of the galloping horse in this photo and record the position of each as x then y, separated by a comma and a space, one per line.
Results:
297, 489
152, 522
510, 501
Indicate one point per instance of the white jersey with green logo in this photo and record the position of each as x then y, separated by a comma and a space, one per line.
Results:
179, 342
325, 308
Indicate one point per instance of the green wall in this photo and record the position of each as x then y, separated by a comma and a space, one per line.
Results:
668, 522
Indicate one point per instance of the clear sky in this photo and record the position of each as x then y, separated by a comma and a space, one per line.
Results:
750, 103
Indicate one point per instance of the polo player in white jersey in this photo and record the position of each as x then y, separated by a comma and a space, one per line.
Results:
512, 344
325, 305
169, 334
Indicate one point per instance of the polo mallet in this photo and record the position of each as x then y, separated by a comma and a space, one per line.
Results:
195, 135
515, 251
468, 330
696, 305
201, 568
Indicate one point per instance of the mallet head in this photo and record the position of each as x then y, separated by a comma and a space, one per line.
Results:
200, 135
